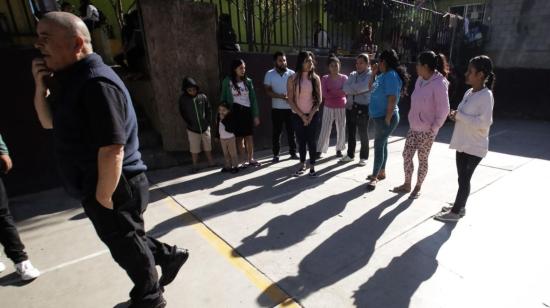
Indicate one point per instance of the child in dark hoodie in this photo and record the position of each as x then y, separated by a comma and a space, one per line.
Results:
225, 132
197, 114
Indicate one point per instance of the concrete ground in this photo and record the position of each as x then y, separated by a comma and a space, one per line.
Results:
262, 238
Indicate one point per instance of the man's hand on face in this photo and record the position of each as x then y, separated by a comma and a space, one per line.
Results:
40, 72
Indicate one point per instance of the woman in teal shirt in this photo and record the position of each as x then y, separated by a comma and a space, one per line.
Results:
238, 92
386, 91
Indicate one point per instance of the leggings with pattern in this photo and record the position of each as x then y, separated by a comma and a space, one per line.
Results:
421, 142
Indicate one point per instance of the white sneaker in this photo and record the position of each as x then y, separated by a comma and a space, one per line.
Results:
346, 159
26, 270
362, 162
2, 267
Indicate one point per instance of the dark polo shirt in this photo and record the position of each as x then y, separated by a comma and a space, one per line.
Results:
91, 108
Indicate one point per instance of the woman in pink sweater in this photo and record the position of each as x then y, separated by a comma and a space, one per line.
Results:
429, 109
334, 108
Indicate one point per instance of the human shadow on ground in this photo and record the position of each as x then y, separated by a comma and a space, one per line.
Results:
344, 253
39, 206
265, 192
273, 178
394, 285
286, 230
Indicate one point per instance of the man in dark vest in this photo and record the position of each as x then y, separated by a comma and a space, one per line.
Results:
96, 143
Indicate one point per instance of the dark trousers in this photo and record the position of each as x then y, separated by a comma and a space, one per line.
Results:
465, 165
307, 137
9, 237
122, 230
358, 118
280, 118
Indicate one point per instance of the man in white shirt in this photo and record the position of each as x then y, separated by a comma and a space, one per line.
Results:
275, 83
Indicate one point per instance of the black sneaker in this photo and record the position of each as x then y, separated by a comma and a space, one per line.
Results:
224, 170
294, 156
339, 154
312, 173
171, 269
234, 170
318, 155
275, 159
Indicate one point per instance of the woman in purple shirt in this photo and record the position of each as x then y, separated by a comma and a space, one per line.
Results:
334, 109
429, 109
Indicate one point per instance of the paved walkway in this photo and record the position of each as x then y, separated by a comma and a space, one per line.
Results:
263, 238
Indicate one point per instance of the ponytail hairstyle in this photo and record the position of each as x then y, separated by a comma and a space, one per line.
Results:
434, 62
391, 59
484, 64
332, 58
442, 65
302, 56
234, 78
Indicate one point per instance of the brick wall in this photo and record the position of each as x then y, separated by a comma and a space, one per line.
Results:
519, 35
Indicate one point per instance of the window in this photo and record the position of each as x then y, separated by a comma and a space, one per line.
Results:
474, 12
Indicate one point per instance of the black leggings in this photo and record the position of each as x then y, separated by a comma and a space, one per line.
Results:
465, 165
306, 137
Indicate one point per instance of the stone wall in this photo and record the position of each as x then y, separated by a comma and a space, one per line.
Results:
519, 33
181, 40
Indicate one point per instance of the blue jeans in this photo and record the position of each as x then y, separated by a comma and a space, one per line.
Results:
381, 134
306, 137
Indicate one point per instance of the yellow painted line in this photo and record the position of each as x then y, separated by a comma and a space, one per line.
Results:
262, 282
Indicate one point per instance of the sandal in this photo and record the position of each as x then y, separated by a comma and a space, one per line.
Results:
415, 194
372, 185
400, 190
243, 166
255, 163
300, 171
378, 178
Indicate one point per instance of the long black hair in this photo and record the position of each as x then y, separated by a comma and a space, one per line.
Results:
391, 59
434, 62
302, 56
233, 76
484, 64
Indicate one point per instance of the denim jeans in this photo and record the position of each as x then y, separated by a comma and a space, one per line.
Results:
382, 132
306, 136
358, 118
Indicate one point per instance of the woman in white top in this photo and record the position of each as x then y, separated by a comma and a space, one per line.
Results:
473, 118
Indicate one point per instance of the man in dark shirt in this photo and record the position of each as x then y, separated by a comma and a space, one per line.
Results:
95, 139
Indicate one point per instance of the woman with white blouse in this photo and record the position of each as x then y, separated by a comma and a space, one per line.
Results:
473, 119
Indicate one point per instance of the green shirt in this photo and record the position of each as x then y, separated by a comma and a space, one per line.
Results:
227, 97
3, 147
